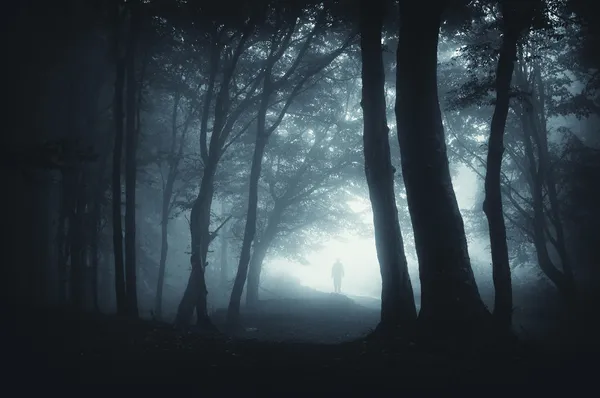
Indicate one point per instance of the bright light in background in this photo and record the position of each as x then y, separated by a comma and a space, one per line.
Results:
359, 256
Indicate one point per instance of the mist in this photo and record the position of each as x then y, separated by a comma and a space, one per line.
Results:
319, 182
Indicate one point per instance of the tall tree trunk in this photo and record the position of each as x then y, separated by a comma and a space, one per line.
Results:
255, 268
62, 244
540, 137
130, 169
534, 134
516, 16
450, 300
397, 300
166, 206
562, 281
195, 291
233, 311
224, 255
116, 170
94, 236
262, 137
492, 205
260, 251
174, 160
77, 236
164, 247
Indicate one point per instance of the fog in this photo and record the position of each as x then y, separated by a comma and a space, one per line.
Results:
284, 278
226, 180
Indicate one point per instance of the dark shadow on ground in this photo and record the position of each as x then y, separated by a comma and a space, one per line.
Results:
43, 347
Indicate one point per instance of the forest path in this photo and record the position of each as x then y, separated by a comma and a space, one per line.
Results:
328, 319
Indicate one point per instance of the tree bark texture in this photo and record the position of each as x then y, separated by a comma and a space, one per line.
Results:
450, 300
397, 299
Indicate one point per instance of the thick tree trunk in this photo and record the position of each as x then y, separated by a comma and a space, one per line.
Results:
397, 300
131, 170
450, 300
492, 205
116, 173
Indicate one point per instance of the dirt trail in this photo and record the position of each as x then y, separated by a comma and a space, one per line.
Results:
329, 319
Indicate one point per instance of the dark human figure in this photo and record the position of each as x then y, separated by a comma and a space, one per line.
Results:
337, 273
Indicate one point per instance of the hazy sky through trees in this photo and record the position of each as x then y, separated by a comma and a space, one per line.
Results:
358, 255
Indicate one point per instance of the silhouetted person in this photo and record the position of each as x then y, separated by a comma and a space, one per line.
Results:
337, 273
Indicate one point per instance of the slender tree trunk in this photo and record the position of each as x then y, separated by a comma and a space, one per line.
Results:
174, 159
450, 300
492, 205
397, 300
164, 248
77, 237
233, 311
94, 236
195, 291
260, 251
116, 172
541, 139
62, 245
517, 16
563, 283
224, 256
255, 268
534, 134
130, 169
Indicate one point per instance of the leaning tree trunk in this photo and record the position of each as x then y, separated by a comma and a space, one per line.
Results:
450, 300
397, 300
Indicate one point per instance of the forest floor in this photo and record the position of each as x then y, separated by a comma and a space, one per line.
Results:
286, 344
